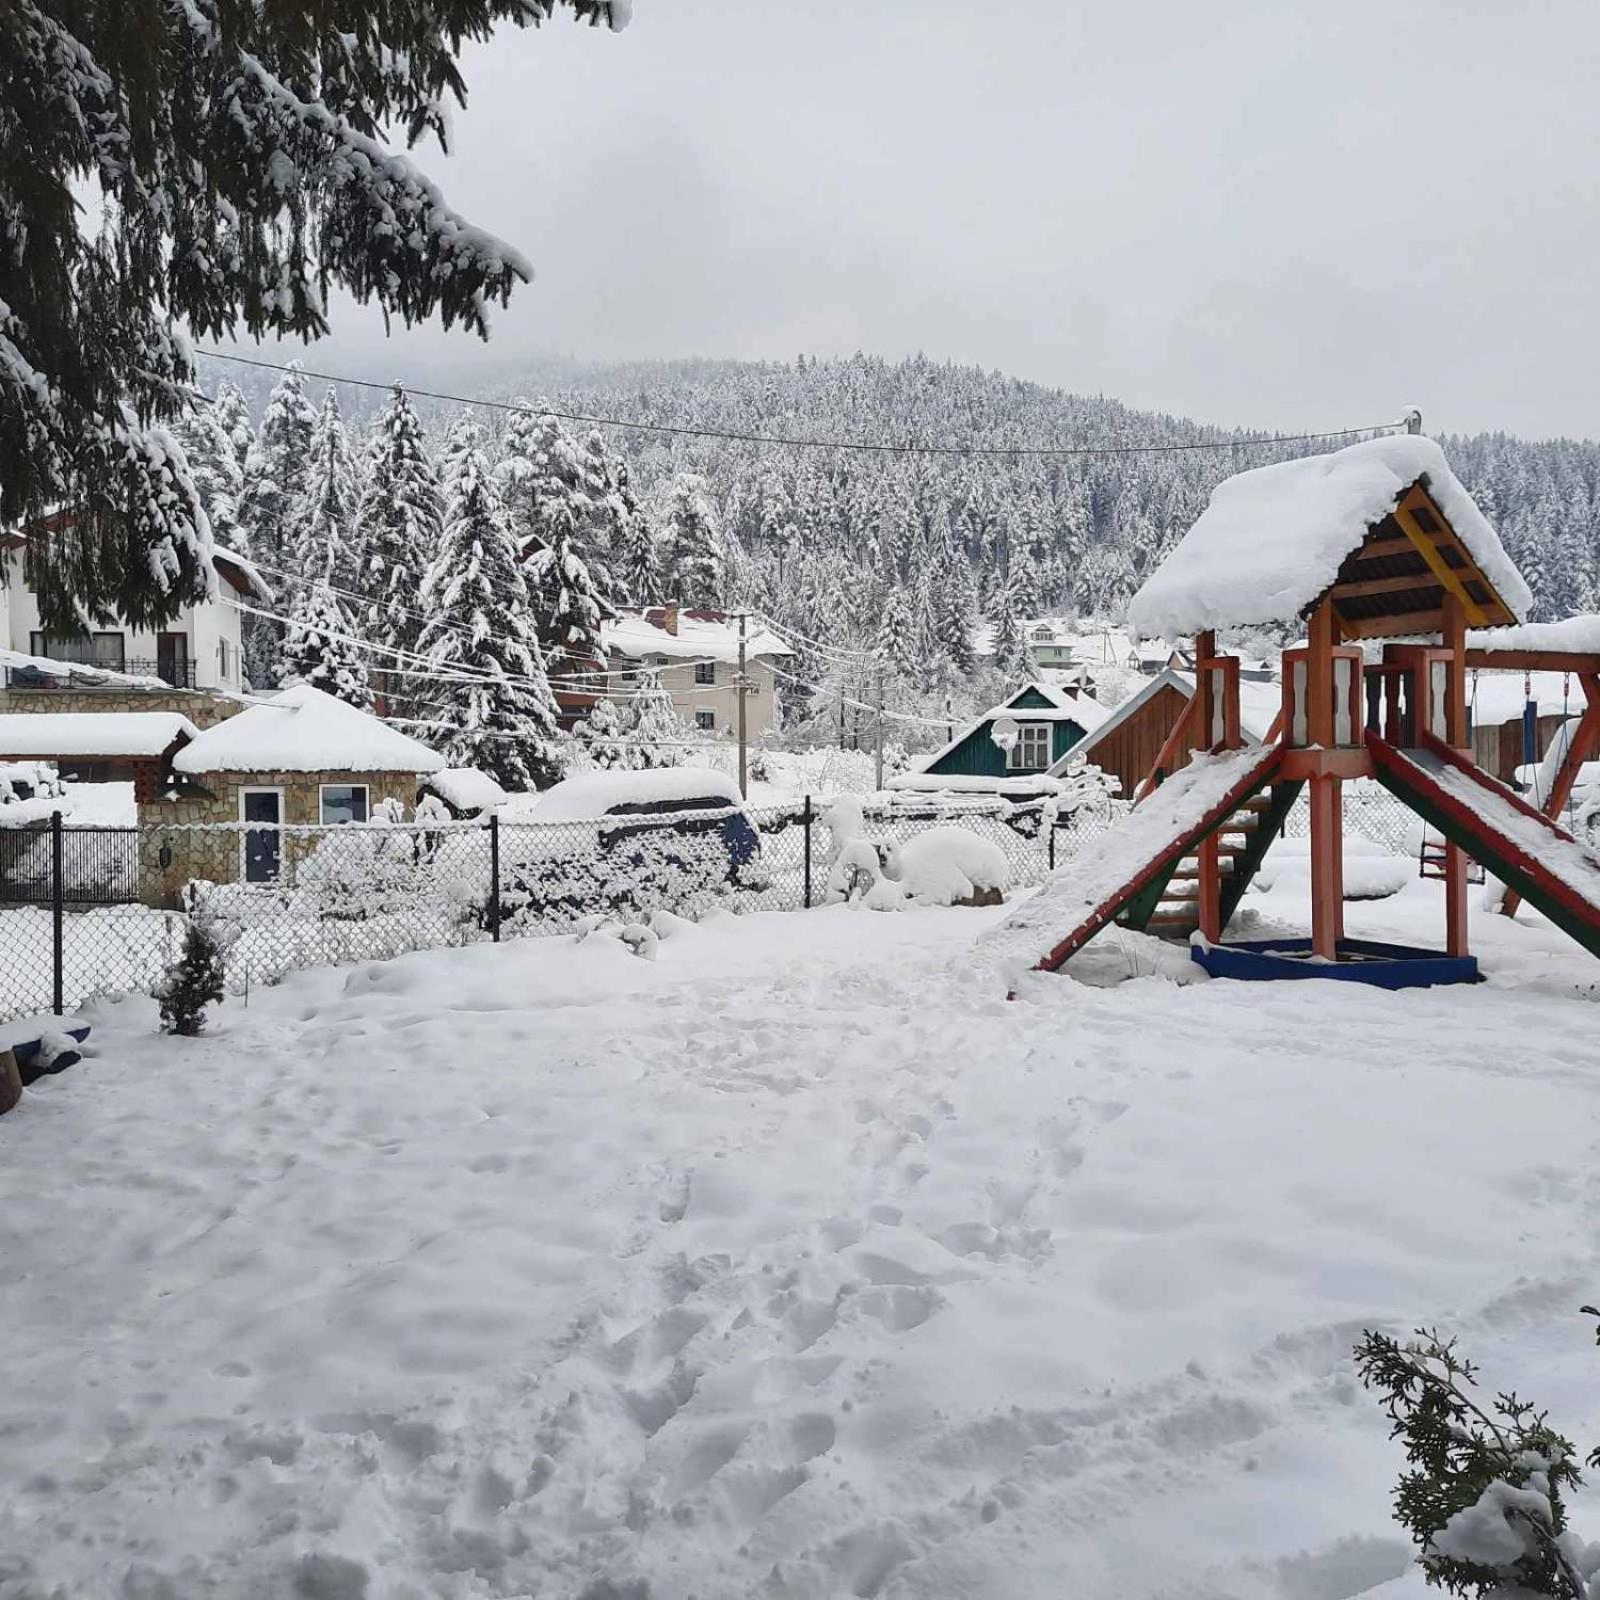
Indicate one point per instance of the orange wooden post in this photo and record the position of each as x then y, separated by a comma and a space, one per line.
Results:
1208, 858
1327, 878
1455, 858
1585, 742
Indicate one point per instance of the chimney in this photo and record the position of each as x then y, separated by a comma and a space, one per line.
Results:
669, 620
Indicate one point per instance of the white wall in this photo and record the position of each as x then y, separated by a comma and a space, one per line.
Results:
719, 698
205, 626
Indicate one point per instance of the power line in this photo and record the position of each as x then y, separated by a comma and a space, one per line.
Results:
865, 445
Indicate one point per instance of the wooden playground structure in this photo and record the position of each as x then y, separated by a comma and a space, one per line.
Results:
1408, 575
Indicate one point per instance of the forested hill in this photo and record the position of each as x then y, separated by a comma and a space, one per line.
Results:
820, 536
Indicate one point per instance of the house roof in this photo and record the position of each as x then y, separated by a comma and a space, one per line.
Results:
1063, 706
49, 735
701, 636
304, 730
1275, 540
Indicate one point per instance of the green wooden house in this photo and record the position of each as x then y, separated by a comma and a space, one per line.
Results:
1050, 721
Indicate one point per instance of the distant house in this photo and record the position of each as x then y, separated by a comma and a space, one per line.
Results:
1049, 646
300, 758
1050, 723
696, 654
1129, 738
198, 652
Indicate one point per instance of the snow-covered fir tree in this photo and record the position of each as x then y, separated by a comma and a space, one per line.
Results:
692, 563
654, 730
896, 644
493, 708
635, 564
318, 647
233, 417
567, 602
215, 467
603, 738
322, 527
399, 524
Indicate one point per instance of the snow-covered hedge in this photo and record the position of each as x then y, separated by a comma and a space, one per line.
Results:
947, 865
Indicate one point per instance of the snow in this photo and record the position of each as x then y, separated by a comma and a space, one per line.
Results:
466, 788
304, 730
957, 783
593, 794
1497, 697
30, 792
795, 1262
49, 734
1580, 633
20, 661
699, 638
1089, 879
103, 805
1272, 540
947, 864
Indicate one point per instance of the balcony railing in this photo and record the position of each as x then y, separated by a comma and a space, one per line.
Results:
81, 676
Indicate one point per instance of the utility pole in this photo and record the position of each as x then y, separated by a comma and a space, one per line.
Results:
877, 781
740, 690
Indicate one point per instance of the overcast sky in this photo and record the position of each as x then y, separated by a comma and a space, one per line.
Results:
1278, 214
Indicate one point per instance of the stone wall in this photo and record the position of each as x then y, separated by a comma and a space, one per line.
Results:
203, 710
216, 854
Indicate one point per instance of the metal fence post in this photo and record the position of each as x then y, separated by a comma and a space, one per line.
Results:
57, 919
805, 817
494, 876
1050, 842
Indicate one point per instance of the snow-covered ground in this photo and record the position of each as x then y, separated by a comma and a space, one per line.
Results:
795, 1263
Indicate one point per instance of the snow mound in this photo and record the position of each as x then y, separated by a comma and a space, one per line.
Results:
947, 865
1272, 540
466, 789
595, 794
30, 791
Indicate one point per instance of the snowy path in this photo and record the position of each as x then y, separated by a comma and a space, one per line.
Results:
796, 1264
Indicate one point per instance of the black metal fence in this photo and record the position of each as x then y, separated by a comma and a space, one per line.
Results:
87, 911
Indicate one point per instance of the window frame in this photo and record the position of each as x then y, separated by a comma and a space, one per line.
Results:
322, 803
705, 674
39, 644
1030, 735
710, 724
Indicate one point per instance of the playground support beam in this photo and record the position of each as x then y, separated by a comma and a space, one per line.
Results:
1327, 844
1585, 741
1454, 636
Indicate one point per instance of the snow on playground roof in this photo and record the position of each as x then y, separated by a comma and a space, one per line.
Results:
701, 636
1579, 634
1272, 540
304, 730
593, 794
51, 734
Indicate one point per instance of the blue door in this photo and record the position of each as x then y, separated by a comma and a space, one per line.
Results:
261, 844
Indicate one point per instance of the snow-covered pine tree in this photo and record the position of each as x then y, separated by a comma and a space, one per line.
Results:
276, 472
956, 615
398, 528
566, 601
654, 729
215, 468
233, 159
692, 555
602, 737
317, 647
1009, 654
233, 417
493, 706
634, 562
323, 524
896, 645
541, 476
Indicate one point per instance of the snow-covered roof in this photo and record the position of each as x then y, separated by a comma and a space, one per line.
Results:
593, 794
1580, 634
241, 572
304, 730
972, 783
52, 734
44, 666
1272, 540
701, 636
466, 788
1064, 706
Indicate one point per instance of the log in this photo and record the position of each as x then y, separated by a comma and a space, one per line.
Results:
10, 1081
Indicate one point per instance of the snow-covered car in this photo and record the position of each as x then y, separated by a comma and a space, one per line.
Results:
627, 841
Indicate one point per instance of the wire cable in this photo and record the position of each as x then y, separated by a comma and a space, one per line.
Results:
868, 446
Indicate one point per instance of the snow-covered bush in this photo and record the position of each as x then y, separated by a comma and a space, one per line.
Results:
29, 792
948, 866
363, 871
193, 981
1483, 1496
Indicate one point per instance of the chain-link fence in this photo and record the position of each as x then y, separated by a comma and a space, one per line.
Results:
87, 911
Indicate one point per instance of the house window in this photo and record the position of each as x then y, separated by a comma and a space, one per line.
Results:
342, 802
88, 650
1031, 752
705, 672
705, 719
224, 672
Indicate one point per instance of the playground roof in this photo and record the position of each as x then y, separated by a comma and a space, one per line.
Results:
1384, 526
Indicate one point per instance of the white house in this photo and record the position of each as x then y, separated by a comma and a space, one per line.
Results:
199, 649
697, 656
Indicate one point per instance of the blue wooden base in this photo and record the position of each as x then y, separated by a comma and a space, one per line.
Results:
1385, 966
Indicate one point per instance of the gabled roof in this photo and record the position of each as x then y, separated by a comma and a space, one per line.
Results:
1384, 524
1062, 706
304, 730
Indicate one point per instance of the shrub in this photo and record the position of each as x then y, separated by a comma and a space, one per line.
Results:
193, 981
